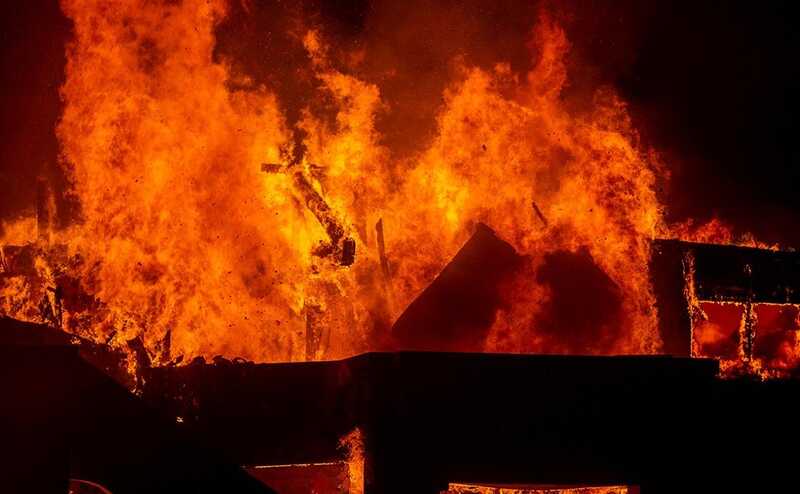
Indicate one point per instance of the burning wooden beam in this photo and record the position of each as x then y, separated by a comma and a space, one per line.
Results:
342, 248
539, 214
686, 274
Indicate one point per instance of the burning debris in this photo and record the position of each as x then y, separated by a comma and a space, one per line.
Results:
340, 248
694, 280
199, 227
211, 316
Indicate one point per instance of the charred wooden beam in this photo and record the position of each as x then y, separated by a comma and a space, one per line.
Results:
728, 273
539, 213
731, 273
348, 256
670, 272
317, 205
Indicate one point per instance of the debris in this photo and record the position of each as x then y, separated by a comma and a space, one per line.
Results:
164, 347
348, 252
141, 357
685, 274
314, 329
539, 213
51, 312
340, 247
46, 311
58, 305
387, 276
272, 168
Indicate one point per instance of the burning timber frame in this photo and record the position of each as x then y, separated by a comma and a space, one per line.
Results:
341, 247
685, 274
432, 418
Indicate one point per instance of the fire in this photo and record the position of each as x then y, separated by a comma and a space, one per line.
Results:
211, 223
720, 332
715, 231
353, 446
181, 231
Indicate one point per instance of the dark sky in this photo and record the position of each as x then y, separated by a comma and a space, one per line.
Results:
713, 86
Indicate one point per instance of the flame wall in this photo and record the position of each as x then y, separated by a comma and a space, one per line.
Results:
182, 233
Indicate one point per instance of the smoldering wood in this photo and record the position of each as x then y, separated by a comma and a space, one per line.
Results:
455, 312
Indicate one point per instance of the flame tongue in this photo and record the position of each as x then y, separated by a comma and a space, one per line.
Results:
183, 233
180, 232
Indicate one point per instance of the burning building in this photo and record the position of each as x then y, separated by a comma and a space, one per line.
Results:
279, 256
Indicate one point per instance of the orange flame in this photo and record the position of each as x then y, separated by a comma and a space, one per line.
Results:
353, 446
183, 233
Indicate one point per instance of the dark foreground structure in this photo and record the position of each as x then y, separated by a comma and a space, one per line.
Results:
61, 418
660, 423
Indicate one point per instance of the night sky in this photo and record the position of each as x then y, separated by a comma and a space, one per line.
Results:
712, 86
